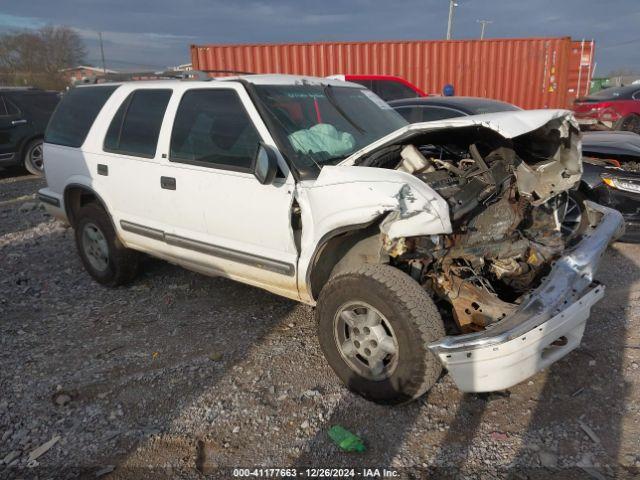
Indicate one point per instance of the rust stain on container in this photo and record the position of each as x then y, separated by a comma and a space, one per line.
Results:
529, 72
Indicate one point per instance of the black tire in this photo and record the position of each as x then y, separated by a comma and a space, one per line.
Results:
33, 163
630, 123
411, 313
121, 263
570, 228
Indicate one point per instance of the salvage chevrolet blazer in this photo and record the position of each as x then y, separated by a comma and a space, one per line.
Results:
421, 246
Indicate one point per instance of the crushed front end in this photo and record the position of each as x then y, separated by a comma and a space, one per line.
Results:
515, 290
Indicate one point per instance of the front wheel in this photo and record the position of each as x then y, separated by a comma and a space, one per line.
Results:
374, 324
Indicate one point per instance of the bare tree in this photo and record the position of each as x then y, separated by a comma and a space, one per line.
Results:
36, 57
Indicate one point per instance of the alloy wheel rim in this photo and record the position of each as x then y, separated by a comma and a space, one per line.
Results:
36, 158
572, 218
95, 247
366, 340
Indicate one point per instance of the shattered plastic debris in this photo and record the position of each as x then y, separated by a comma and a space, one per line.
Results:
41, 450
346, 440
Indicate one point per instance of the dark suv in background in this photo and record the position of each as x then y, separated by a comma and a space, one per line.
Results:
24, 114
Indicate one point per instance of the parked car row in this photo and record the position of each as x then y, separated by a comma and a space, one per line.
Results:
616, 108
422, 246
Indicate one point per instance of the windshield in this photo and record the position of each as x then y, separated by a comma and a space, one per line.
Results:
321, 125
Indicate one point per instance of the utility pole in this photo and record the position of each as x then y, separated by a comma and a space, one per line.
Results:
452, 5
104, 66
484, 23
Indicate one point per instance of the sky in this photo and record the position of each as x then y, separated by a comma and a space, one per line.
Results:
155, 34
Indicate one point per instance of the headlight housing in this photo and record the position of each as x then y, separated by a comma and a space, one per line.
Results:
622, 184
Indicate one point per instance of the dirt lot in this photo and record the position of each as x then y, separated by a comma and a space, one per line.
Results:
131, 379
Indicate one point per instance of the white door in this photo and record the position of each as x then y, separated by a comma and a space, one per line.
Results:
126, 162
222, 218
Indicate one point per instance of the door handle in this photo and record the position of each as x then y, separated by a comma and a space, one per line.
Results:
168, 183
18, 122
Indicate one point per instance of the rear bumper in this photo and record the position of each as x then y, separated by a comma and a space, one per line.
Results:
547, 325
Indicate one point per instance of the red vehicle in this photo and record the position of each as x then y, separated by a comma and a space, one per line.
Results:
387, 87
616, 108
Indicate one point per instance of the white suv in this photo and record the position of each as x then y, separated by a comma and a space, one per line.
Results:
315, 189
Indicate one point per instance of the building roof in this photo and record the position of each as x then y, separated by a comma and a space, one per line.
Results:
87, 67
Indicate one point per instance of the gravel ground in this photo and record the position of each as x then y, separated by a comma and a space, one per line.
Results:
179, 369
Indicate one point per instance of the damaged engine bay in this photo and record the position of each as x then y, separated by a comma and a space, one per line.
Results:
506, 199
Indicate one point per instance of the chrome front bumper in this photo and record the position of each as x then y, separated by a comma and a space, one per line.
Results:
546, 326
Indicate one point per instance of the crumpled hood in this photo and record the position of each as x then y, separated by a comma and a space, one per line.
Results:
508, 124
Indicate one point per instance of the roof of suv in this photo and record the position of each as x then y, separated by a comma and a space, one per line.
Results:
257, 79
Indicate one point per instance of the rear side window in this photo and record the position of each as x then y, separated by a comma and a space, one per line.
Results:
11, 107
43, 103
75, 114
135, 127
3, 108
212, 128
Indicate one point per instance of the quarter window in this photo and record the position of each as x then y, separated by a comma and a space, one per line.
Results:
135, 127
212, 128
75, 114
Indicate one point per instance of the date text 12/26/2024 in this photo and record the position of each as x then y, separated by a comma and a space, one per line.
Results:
315, 473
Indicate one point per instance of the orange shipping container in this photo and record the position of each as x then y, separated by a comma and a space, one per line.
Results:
529, 72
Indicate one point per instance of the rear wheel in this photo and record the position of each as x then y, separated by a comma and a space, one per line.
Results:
103, 255
33, 159
374, 324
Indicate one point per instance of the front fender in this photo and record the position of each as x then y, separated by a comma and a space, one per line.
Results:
348, 197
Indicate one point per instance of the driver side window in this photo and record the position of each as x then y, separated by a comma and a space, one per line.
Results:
212, 128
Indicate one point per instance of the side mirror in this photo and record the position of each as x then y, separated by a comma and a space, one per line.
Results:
265, 164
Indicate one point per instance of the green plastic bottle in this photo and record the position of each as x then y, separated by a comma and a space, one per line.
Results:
346, 440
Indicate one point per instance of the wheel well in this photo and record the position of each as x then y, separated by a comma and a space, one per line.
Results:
76, 197
344, 250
